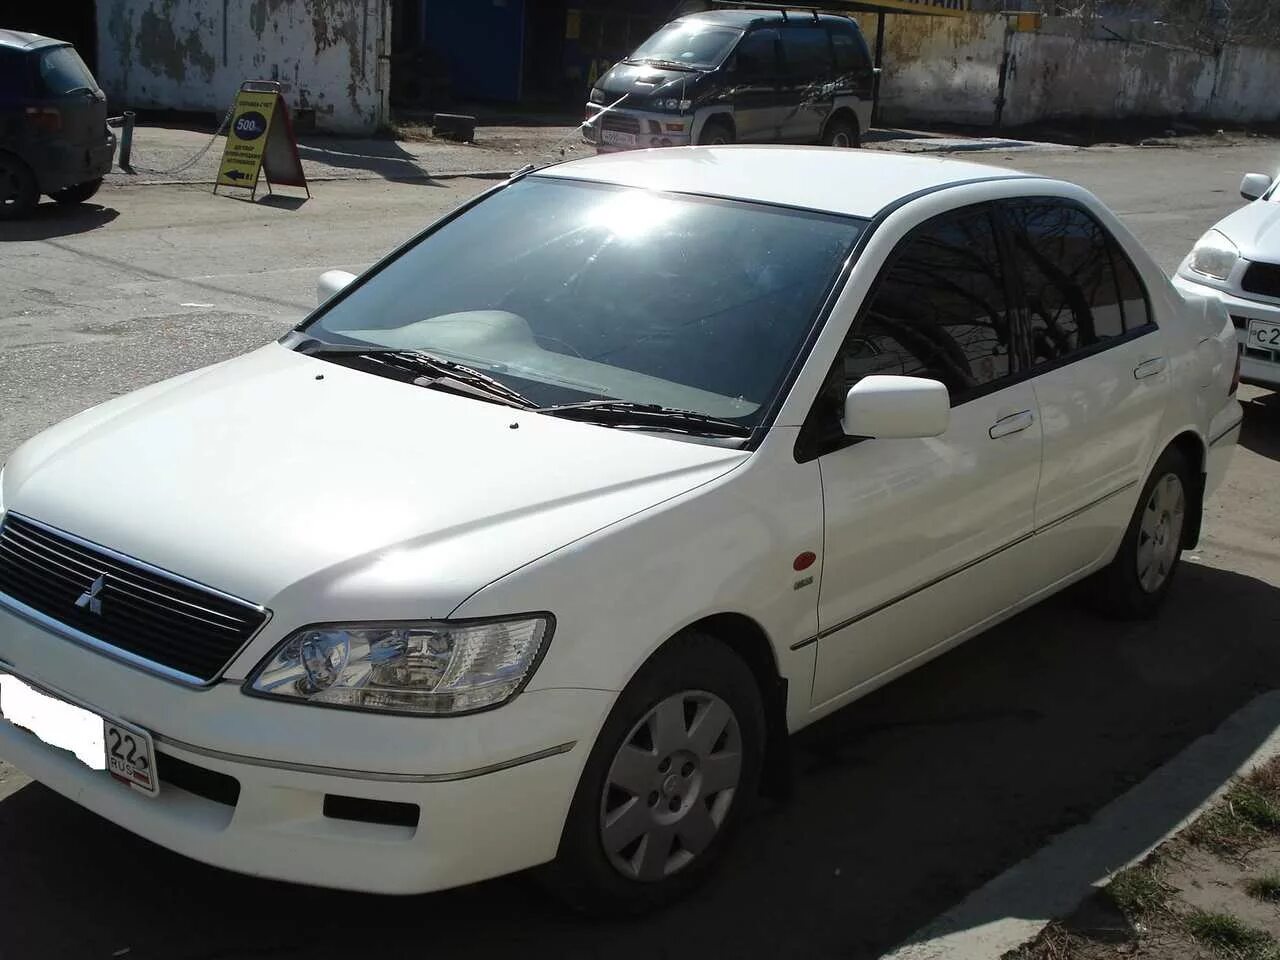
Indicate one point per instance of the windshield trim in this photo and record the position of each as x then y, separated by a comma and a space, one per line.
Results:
297, 336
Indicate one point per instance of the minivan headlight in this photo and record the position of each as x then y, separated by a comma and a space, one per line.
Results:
673, 103
428, 668
1214, 255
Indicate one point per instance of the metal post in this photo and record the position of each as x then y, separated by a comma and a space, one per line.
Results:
126, 141
875, 83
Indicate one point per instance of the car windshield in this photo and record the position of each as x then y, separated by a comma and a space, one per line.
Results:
689, 42
568, 292
62, 71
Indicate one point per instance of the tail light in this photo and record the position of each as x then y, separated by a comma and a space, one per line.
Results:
1235, 377
45, 119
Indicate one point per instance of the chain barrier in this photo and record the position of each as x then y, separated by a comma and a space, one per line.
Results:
194, 158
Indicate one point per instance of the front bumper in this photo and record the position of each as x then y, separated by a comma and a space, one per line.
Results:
617, 130
492, 789
1258, 367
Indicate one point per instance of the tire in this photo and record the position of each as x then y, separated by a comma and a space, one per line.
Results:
629, 849
841, 132
18, 193
78, 193
715, 133
1134, 586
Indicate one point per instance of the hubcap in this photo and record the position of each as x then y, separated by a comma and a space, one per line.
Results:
1160, 533
671, 785
840, 140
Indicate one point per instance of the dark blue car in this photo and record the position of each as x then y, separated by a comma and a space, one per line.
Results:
53, 124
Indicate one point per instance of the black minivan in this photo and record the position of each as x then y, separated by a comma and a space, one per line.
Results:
745, 76
53, 124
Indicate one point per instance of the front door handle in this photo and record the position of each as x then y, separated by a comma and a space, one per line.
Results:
1149, 368
1014, 423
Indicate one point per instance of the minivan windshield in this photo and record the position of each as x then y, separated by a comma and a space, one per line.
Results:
691, 43
62, 71
568, 292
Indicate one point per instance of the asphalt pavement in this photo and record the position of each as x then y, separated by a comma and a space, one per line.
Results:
903, 802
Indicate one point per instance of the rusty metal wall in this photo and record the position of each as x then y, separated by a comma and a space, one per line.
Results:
193, 55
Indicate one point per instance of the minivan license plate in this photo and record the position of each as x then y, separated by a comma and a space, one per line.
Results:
100, 743
617, 138
1264, 335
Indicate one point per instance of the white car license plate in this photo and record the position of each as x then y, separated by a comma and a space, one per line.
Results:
618, 138
100, 743
1264, 335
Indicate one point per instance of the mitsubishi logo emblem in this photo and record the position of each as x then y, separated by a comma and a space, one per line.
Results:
89, 599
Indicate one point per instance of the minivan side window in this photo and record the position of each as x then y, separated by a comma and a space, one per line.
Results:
757, 55
938, 310
15, 75
851, 58
806, 51
1080, 290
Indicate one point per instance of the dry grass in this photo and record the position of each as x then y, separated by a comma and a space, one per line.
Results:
1248, 815
1230, 936
1054, 943
1138, 892
1266, 887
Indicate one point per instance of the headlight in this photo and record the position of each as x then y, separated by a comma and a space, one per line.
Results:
673, 104
1214, 256
597, 95
435, 668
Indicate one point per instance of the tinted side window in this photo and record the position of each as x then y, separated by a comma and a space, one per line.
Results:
1133, 294
939, 310
15, 76
1064, 259
806, 52
757, 55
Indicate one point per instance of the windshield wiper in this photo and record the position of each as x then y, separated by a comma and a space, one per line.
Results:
659, 62
614, 413
439, 372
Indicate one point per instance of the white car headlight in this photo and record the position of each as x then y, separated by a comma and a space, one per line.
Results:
430, 668
1214, 256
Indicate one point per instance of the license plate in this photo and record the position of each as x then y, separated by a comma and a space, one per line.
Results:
100, 743
618, 138
1264, 335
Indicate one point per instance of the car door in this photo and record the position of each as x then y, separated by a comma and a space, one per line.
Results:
1099, 371
919, 533
806, 92
754, 88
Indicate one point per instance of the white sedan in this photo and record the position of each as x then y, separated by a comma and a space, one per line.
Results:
532, 544
1238, 261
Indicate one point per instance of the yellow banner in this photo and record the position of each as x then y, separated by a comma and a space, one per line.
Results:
246, 139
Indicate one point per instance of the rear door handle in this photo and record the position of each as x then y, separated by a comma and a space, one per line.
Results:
1149, 368
1014, 423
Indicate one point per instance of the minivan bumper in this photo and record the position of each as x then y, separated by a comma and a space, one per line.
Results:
488, 800
643, 130
64, 164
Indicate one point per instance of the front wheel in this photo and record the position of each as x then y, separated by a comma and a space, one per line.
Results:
78, 193
715, 133
1138, 580
670, 778
841, 133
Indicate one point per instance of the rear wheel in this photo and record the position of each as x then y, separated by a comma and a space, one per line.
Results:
1136, 583
841, 132
715, 133
670, 778
18, 193
78, 193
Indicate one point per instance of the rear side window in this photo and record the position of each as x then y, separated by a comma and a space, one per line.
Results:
15, 76
806, 52
939, 310
757, 54
850, 55
62, 71
1080, 289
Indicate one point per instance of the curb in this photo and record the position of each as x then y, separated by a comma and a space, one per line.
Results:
1013, 908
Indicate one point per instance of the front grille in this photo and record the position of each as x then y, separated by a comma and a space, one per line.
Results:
1262, 279
1240, 323
125, 604
622, 122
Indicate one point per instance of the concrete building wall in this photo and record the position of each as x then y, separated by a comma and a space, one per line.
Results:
194, 54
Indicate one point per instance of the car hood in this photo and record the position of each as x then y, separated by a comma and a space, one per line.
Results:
1255, 229
327, 493
642, 81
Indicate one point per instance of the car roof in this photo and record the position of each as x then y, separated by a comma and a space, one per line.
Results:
745, 18
17, 40
858, 183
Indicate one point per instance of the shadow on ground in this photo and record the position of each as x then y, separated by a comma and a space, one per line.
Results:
1261, 430
904, 802
386, 158
51, 219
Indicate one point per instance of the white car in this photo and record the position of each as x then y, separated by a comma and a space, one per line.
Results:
1238, 262
532, 544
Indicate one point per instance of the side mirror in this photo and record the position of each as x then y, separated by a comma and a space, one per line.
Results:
1254, 185
890, 407
330, 282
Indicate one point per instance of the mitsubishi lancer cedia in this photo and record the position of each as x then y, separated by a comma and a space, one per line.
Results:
530, 546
